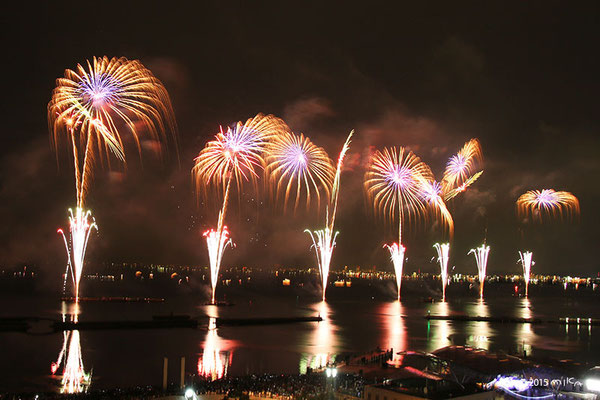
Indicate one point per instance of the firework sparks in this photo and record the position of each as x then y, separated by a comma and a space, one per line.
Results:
443, 251
462, 165
80, 229
527, 262
397, 256
216, 246
547, 202
92, 106
394, 184
324, 243
481, 258
431, 192
325, 238
295, 161
235, 154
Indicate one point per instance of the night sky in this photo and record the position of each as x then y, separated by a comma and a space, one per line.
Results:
522, 77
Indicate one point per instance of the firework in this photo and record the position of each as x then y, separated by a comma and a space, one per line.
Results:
394, 183
325, 238
443, 251
94, 107
451, 193
481, 258
527, 262
294, 161
431, 192
80, 229
216, 246
397, 256
462, 165
547, 203
235, 154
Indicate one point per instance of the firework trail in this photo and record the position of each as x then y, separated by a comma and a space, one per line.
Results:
481, 258
93, 106
234, 155
294, 161
527, 262
547, 203
394, 184
325, 238
443, 251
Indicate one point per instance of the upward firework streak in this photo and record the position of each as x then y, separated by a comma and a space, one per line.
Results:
397, 257
526, 261
235, 154
216, 246
89, 105
325, 238
394, 183
443, 251
80, 229
481, 258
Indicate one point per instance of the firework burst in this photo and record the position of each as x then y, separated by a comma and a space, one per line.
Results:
325, 238
481, 258
461, 167
443, 251
235, 154
295, 164
94, 107
394, 184
545, 203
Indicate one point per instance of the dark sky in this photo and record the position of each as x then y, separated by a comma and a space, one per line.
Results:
520, 76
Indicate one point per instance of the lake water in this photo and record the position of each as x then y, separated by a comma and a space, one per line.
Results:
354, 321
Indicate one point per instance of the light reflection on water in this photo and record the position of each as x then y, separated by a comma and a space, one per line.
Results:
479, 333
395, 338
347, 326
217, 353
322, 342
439, 332
74, 378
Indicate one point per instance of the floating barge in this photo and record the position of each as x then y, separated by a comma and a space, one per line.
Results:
263, 321
115, 299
